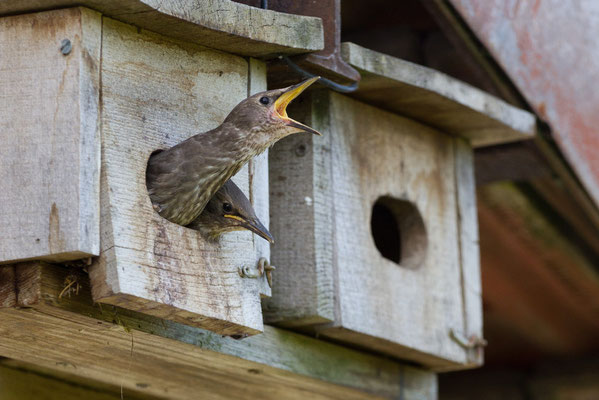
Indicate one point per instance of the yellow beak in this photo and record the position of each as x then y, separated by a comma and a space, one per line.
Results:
283, 101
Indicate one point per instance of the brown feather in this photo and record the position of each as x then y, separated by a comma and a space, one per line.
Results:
181, 180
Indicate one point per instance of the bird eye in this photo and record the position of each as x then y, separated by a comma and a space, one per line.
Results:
264, 100
227, 207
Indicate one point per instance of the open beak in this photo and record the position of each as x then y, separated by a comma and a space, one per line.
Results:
253, 226
283, 101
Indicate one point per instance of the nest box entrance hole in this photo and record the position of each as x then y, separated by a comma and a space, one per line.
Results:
398, 231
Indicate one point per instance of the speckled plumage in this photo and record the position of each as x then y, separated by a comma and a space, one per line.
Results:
181, 180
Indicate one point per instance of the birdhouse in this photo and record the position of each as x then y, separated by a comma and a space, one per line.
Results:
376, 220
91, 99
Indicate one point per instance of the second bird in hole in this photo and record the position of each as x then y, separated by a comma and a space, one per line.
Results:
227, 211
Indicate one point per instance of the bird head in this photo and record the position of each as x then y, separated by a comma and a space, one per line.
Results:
266, 112
229, 210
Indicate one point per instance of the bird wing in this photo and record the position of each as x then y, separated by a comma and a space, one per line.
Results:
182, 179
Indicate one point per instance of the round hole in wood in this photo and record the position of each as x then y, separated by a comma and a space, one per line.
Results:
398, 231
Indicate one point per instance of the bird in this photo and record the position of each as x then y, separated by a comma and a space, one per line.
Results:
227, 211
182, 179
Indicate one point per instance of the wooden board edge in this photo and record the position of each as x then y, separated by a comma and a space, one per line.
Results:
325, 259
258, 173
90, 129
388, 348
312, 297
471, 284
168, 312
20, 380
146, 363
8, 285
518, 124
219, 24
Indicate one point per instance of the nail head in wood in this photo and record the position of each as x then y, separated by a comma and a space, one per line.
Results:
66, 46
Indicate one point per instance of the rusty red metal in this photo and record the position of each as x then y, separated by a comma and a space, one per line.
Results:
549, 49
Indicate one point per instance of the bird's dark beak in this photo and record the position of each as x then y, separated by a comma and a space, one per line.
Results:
283, 101
253, 225
259, 229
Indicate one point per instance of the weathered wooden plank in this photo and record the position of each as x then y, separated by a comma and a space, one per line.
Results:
436, 99
276, 348
404, 308
155, 94
27, 381
469, 248
145, 363
49, 129
219, 24
300, 191
8, 294
28, 282
258, 173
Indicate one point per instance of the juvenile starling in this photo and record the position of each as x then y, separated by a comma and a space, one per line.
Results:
182, 179
227, 211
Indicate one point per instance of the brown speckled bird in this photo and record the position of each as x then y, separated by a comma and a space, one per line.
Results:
227, 211
181, 180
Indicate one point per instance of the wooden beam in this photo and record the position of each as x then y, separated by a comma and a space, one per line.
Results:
20, 380
145, 363
219, 24
50, 135
436, 99
8, 294
469, 249
276, 352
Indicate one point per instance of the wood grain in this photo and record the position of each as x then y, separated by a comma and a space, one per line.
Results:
302, 223
28, 280
469, 248
219, 24
258, 173
403, 310
436, 99
278, 349
8, 294
156, 93
49, 129
146, 363
25, 381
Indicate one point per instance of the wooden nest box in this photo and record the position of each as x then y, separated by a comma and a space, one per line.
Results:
376, 220
86, 100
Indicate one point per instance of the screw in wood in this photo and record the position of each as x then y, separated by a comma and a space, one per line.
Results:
65, 46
